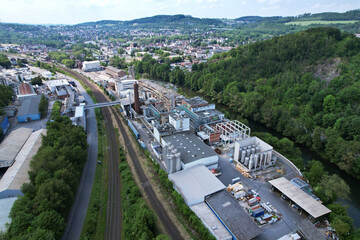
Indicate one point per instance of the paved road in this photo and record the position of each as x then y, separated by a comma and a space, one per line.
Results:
78, 211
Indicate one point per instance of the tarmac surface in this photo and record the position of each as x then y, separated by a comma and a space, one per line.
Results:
78, 211
290, 215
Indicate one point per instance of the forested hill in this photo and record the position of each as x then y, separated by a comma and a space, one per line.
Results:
161, 21
304, 85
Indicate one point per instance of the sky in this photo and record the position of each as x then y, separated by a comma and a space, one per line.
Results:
78, 11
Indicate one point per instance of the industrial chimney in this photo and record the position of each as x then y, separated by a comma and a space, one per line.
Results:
137, 100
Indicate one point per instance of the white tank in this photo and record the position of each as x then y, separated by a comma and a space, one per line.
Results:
249, 147
247, 161
248, 153
252, 150
253, 146
257, 149
171, 164
261, 159
178, 161
256, 159
251, 164
243, 155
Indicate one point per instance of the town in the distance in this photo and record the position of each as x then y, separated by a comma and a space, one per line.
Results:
146, 129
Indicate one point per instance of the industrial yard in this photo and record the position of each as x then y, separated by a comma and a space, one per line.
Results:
223, 173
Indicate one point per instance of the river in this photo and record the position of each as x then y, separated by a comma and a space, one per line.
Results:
353, 202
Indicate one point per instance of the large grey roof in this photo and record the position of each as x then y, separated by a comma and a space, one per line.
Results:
233, 216
29, 105
12, 144
309, 231
190, 146
306, 202
195, 183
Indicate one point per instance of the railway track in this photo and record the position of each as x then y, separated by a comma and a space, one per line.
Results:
113, 210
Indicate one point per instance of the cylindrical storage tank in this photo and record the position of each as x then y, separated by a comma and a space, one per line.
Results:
249, 147
243, 155
261, 159
251, 164
247, 161
267, 158
171, 164
253, 146
252, 150
248, 153
257, 149
256, 158
178, 161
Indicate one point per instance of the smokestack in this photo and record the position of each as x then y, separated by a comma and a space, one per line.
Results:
137, 100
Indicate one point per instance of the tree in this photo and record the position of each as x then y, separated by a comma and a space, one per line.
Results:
121, 51
4, 61
43, 106
36, 81
315, 173
52, 221
69, 63
332, 187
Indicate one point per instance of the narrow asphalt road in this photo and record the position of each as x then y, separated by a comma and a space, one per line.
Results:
78, 211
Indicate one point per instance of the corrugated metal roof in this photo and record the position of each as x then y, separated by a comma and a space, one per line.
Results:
25, 89
310, 205
195, 183
29, 105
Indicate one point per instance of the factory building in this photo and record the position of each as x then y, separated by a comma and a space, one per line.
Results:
114, 72
91, 66
60, 86
25, 90
253, 153
184, 150
29, 109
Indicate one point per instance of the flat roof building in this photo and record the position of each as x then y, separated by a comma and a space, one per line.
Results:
29, 109
233, 216
16, 175
89, 66
193, 150
25, 90
12, 144
195, 183
314, 208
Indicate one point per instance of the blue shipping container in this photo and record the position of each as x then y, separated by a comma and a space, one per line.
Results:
258, 212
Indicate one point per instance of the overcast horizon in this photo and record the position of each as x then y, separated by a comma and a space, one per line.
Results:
73, 12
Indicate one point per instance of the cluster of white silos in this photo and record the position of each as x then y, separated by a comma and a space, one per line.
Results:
253, 159
172, 159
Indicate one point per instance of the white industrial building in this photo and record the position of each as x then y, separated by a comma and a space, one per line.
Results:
195, 183
186, 149
58, 86
253, 153
79, 118
180, 122
91, 66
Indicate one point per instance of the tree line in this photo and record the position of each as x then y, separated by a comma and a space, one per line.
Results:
54, 174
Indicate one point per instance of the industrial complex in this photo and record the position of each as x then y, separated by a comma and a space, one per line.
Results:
213, 162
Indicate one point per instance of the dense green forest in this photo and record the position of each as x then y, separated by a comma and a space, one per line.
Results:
54, 174
304, 85
6, 94
4, 61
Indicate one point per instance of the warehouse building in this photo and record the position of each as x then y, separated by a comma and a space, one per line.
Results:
195, 183
59, 86
12, 144
91, 66
25, 90
233, 216
16, 175
29, 109
114, 72
297, 196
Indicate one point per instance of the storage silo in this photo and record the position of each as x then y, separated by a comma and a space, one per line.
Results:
252, 150
251, 164
256, 159
257, 149
247, 161
171, 166
248, 153
243, 155
178, 161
